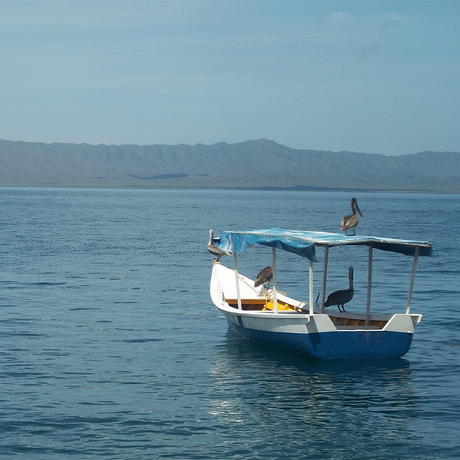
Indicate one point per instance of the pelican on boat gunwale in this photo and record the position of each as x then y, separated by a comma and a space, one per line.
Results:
273, 317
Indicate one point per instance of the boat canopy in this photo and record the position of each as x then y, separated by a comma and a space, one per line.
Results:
304, 243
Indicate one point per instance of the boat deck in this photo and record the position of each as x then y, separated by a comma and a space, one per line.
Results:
340, 322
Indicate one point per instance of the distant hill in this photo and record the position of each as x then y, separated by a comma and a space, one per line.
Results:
254, 164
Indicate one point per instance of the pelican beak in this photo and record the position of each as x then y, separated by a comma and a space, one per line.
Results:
358, 210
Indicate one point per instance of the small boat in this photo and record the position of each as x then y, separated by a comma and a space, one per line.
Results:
271, 316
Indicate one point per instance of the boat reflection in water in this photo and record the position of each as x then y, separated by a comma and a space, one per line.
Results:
299, 404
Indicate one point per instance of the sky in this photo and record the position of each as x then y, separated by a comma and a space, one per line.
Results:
365, 76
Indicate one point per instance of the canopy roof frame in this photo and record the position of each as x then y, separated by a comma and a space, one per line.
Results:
304, 244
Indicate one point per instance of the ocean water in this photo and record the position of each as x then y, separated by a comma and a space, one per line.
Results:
110, 346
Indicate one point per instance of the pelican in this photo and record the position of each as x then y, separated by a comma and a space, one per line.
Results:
340, 298
351, 221
265, 276
214, 249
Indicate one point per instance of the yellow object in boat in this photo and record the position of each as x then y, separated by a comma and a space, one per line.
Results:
281, 306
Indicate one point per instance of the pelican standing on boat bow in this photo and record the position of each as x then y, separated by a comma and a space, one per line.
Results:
214, 249
340, 298
351, 221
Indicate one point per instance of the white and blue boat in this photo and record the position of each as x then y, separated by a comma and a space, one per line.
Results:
269, 315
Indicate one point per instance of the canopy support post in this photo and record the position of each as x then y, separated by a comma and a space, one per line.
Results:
323, 294
369, 286
310, 278
411, 286
275, 297
237, 280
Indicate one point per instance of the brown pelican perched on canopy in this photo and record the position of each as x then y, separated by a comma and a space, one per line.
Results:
265, 276
214, 249
351, 221
340, 298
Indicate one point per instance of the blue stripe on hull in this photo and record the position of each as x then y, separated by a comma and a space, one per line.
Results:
335, 345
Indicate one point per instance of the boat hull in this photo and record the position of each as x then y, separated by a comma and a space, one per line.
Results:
330, 345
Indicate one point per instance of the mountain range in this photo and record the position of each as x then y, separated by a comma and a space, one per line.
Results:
252, 164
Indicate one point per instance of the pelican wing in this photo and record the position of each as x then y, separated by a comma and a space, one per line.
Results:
265, 275
349, 221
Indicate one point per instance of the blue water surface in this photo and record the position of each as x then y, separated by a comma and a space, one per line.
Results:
110, 346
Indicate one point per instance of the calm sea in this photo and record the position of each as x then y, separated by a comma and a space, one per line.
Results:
110, 346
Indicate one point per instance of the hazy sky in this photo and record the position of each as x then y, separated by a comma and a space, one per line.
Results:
367, 76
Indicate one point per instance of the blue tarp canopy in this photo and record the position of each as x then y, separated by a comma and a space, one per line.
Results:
304, 243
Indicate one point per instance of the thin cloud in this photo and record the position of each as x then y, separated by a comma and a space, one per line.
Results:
404, 18
339, 16
370, 50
